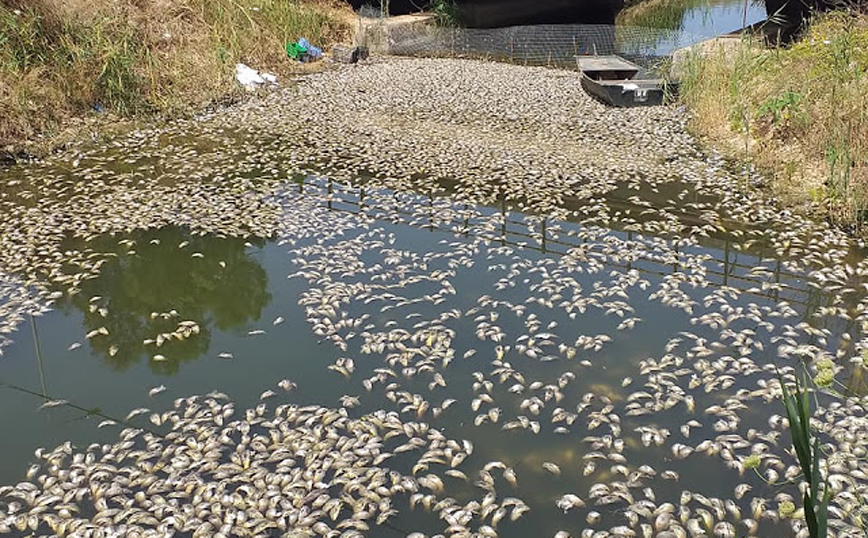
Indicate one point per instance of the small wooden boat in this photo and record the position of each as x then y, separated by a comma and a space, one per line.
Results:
619, 82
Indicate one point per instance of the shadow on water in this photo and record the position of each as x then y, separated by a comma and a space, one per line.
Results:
162, 291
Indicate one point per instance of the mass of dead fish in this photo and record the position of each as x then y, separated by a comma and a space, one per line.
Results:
579, 227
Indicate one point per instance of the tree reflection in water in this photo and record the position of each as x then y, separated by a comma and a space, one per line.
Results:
160, 278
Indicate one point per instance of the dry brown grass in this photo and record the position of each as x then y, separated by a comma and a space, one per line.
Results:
799, 113
61, 58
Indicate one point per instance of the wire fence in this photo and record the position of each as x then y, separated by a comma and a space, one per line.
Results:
726, 265
554, 45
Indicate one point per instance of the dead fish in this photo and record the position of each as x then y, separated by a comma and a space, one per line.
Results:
569, 501
509, 476
137, 411
53, 403
552, 468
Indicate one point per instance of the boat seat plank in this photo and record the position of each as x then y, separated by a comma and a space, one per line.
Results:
606, 63
645, 82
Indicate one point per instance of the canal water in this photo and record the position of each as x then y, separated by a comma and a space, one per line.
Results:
657, 29
606, 353
721, 17
540, 316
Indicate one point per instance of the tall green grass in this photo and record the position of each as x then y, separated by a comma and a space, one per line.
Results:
798, 112
238, 25
815, 499
61, 58
50, 67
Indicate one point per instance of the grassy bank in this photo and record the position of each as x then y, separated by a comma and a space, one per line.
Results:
798, 112
62, 60
662, 14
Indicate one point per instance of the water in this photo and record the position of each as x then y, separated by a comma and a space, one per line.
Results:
723, 17
661, 29
232, 288
227, 303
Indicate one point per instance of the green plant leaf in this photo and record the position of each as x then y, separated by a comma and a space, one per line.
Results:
810, 516
804, 404
799, 436
815, 470
823, 514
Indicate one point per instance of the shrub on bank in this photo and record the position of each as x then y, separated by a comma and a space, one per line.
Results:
662, 14
59, 58
799, 112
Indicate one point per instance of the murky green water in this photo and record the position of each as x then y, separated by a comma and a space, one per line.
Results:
443, 287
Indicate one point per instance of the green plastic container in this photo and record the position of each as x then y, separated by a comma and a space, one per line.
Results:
295, 51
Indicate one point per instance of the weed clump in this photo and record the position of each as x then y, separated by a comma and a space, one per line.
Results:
59, 59
799, 112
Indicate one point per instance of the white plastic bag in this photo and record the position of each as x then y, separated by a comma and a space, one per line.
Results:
248, 77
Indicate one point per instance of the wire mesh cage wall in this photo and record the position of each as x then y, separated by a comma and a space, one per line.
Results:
727, 265
544, 44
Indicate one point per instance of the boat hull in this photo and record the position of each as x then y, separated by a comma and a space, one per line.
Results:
618, 82
626, 93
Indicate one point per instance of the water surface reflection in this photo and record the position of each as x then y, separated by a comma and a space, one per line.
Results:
162, 292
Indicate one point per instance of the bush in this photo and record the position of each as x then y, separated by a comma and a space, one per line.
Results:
799, 112
60, 58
